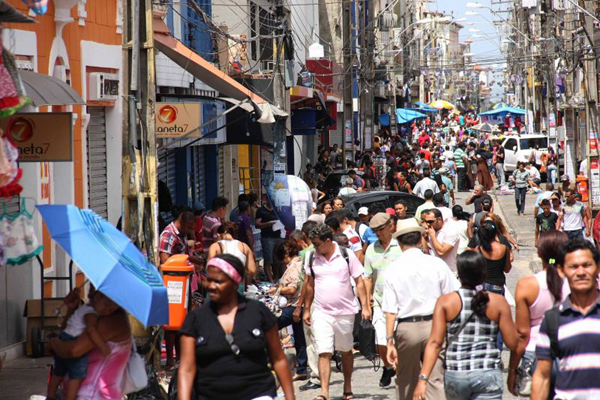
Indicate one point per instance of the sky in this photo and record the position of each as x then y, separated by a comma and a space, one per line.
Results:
485, 47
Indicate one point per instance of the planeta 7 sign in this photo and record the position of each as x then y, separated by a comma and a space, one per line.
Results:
41, 137
174, 120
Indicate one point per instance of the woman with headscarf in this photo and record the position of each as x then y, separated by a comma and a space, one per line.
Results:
227, 344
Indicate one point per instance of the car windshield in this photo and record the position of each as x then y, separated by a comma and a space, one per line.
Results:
530, 143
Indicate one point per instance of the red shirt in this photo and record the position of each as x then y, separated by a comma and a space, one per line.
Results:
427, 154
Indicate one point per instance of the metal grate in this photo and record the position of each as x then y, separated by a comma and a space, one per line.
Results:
96, 156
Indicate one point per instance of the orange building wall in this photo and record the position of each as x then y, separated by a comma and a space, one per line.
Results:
100, 27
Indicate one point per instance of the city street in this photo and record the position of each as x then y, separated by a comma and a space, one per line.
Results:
23, 377
365, 383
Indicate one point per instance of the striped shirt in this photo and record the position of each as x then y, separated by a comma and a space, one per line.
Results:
458, 158
475, 348
579, 352
377, 260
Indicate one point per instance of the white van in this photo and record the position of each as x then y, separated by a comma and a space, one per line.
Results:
519, 147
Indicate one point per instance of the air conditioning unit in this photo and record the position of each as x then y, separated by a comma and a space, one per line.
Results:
103, 86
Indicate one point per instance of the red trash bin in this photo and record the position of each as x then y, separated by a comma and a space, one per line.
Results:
176, 276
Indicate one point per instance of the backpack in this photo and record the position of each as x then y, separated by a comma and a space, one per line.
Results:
552, 317
311, 259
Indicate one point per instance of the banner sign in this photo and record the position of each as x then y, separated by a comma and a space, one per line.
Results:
174, 120
41, 137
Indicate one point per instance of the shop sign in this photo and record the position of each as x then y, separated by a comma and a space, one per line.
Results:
41, 137
174, 120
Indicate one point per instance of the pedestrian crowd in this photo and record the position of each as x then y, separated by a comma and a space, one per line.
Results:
430, 279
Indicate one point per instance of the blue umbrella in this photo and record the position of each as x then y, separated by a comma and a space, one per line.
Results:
425, 107
110, 261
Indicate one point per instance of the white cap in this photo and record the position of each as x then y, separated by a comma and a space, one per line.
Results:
363, 211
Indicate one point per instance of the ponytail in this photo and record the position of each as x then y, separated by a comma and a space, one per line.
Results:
479, 303
554, 281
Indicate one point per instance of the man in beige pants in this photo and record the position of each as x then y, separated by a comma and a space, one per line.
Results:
412, 286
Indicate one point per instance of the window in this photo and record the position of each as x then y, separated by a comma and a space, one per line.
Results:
527, 144
511, 144
262, 22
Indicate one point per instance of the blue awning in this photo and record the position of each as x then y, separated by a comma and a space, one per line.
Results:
504, 110
425, 107
404, 115
384, 119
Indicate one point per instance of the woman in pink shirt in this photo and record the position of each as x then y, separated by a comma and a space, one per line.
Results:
104, 380
534, 296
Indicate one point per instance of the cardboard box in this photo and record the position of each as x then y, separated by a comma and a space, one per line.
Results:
33, 313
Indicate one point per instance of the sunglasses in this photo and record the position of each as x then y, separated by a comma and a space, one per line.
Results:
429, 221
235, 349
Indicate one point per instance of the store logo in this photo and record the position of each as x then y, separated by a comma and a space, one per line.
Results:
21, 129
167, 114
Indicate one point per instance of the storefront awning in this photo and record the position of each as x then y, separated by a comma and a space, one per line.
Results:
264, 107
9, 14
45, 90
187, 59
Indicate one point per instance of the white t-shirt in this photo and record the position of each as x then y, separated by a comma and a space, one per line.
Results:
76, 325
346, 191
423, 185
534, 173
446, 213
448, 234
354, 242
572, 218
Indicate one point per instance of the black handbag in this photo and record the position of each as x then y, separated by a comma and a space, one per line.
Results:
366, 340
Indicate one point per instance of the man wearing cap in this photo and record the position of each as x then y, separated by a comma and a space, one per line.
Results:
377, 258
412, 285
349, 189
363, 221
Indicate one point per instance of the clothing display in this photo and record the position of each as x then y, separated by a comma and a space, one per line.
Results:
12, 95
10, 173
18, 235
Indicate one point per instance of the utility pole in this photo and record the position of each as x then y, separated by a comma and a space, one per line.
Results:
282, 125
139, 135
368, 50
348, 50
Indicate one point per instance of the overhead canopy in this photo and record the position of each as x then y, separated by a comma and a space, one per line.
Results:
187, 59
264, 107
504, 110
424, 107
485, 127
10, 14
500, 105
45, 90
404, 115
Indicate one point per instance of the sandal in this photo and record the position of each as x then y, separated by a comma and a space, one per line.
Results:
320, 397
347, 396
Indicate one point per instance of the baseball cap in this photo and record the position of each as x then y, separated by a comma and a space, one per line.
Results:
363, 211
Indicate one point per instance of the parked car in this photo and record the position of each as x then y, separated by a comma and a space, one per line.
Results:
334, 182
387, 198
518, 148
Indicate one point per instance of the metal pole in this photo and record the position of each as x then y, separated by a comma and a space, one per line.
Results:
348, 125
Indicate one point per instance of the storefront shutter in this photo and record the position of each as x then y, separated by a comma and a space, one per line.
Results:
221, 171
96, 156
199, 180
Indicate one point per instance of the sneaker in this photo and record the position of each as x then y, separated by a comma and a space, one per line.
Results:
386, 376
309, 386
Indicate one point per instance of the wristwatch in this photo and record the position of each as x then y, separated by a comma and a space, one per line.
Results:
424, 377
389, 338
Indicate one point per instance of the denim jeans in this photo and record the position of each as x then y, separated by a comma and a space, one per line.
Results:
500, 173
498, 290
285, 319
476, 385
520, 194
578, 234
551, 171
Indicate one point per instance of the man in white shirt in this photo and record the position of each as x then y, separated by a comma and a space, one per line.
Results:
413, 283
424, 184
440, 203
349, 189
443, 238
534, 176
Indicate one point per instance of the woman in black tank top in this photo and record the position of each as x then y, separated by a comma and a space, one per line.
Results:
490, 248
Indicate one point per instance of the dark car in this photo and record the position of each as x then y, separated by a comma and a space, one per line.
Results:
334, 182
387, 198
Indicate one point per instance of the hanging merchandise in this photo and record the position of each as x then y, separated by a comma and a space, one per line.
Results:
9, 180
12, 95
37, 6
21, 244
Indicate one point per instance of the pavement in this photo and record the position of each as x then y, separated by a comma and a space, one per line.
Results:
23, 377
